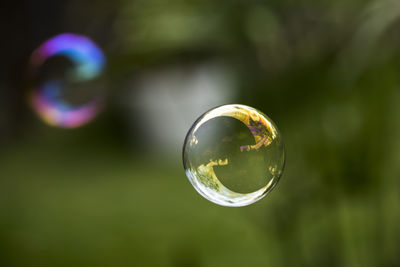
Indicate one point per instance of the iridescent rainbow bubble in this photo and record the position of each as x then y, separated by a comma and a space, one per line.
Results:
47, 96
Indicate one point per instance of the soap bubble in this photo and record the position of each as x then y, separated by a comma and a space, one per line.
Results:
233, 155
66, 91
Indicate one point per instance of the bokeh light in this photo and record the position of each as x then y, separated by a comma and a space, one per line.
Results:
63, 94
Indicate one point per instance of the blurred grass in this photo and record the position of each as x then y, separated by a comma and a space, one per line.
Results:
91, 209
67, 200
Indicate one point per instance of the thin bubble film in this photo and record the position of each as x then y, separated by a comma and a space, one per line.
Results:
233, 155
65, 92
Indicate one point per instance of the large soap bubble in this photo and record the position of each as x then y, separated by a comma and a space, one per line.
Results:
233, 155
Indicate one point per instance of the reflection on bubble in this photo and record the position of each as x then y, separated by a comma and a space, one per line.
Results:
233, 155
66, 91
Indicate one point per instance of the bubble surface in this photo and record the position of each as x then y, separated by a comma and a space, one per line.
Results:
66, 91
233, 155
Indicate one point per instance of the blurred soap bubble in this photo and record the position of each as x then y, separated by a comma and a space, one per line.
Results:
66, 89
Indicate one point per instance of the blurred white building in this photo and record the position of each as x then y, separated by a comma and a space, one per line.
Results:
167, 101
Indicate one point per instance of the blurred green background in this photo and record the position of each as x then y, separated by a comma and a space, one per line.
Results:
114, 193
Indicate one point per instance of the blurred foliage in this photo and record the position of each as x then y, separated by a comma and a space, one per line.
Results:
327, 72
